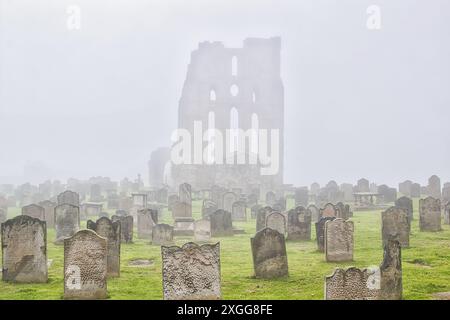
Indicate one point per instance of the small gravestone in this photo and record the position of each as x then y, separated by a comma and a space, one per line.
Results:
85, 266
269, 254
105, 228
353, 284
227, 201
208, 207
395, 225
391, 272
430, 214
252, 200
276, 221
67, 221
320, 233
221, 223
24, 250
202, 230
339, 240
162, 234
126, 227
261, 217
145, 223
406, 204
314, 213
49, 212
447, 213
34, 211
301, 197
341, 212
239, 211
298, 224
328, 211
69, 197
191, 272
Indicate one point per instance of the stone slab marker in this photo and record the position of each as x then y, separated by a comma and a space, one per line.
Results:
261, 217
329, 211
339, 240
221, 223
67, 221
391, 272
430, 214
85, 266
49, 208
105, 228
394, 225
191, 272
34, 211
208, 208
406, 204
276, 221
145, 223
24, 250
269, 254
126, 227
227, 201
320, 233
299, 224
162, 234
239, 211
314, 212
69, 197
185, 193
202, 230
353, 284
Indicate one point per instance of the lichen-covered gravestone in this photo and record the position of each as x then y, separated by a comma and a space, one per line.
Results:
24, 250
298, 224
185, 193
391, 272
49, 208
269, 254
395, 226
406, 204
145, 223
329, 211
276, 221
261, 217
353, 284
162, 234
221, 223
202, 230
67, 221
126, 227
34, 211
320, 233
191, 272
227, 201
239, 212
105, 228
85, 266
339, 240
430, 214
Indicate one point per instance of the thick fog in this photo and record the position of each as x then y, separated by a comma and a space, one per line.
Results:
97, 100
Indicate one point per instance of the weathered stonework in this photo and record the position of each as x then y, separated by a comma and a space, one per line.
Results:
49, 208
69, 197
269, 254
391, 272
239, 211
406, 204
320, 233
126, 227
261, 217
298, 224
430, 214
67, 221
145, 223
395, 225
162, 234
353, 284
34, 211
339, 240
202, 230
276, 221
314, 212
221, 224
328, 211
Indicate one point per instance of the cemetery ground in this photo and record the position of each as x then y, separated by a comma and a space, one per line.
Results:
426, 267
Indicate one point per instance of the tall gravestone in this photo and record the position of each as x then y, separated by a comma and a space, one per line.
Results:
191, 272
391, 284
339, 240
69, 197
298, 224
395, 226
85, 266
184, 223
126, 227
67, 221
221, 223
208, 207
24, 250
406, 204
34, 211
430, 214
239, 211
49, 209
269, 254
434, 187
261, 217
202, 230
162, 234
105, 228
145, 223
276, 221
320, 232
185, 193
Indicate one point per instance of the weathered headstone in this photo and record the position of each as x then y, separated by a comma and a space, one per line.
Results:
239, 211
299, 224
434, 187
430, 214
269, 254
221, 223
314, 213
69, 197
339, 240
261, 217
395, 226
85, 266
145, 223
328, 211
162, 234
185, 193
271, 198
105, 228
34, 211
353, 284
406, 204
91, 209
227, 201
172, 200
49, 208
191, 272
126, 227
67, 221
202, 230
208, 207
276, 221
320, 232
24, 250
301, 196
391, 272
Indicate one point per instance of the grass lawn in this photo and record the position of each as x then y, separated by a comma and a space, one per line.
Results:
426, 265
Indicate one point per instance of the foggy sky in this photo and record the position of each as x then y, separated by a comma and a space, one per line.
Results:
97, 101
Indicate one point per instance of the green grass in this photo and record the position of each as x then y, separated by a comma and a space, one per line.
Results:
426, 265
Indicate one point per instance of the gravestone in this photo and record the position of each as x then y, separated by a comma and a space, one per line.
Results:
447, 213
395, 226
298, 224
314, 212
139, 200
105, 228
171, 200
434, 187
415, 190
184, 223
162, 234
67, 221
126, 227
191, 272
49, 209
208, 207
227, 201
328, 211
24, 250
221, 223
269, 254
185, 193
430, 214
339, 240
320, 232
85, 266
202, 230
301, 196
261, 217
239, 211
145, 223
391, 272
91, 209
69, 197
271, 198
353, 284
406, 204
34, 211
276, 221
340, 211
